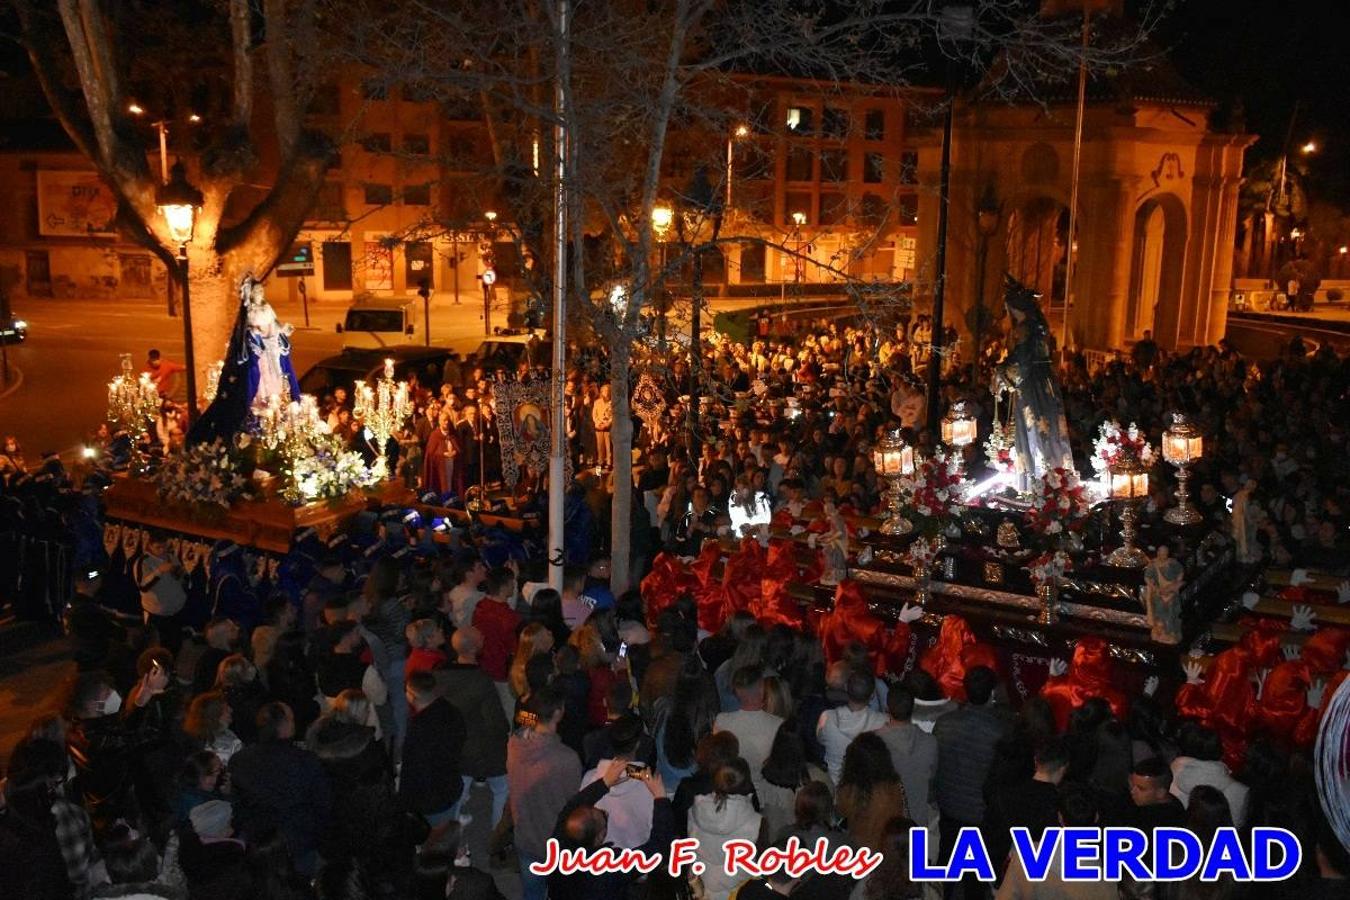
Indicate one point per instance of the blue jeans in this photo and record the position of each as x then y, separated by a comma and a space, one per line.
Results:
500, 790
532, 886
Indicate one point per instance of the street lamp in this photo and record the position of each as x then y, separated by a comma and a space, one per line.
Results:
662, 216
740, 131
1309, 148
987, 213
178, 202
1182, 444
490, 215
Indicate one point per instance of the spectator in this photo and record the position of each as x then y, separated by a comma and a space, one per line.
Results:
468, 688
1200, 762
1031, 803
498, 622
836, 728
870, 792
754, 728
627, 804
278, 785
430, 780
1077, 808
541, 770
222, 638
914, 753
728, 813
1153, 805
207, 725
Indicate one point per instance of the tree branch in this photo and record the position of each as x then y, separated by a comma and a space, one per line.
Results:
96, 97
285, 110
39, 40
243, 63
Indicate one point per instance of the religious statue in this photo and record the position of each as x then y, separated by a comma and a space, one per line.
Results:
1041, 433
834, 545
1162, 596
1245, 522
257, 365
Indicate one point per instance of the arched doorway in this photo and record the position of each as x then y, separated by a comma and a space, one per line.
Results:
1037, 232
1156, 269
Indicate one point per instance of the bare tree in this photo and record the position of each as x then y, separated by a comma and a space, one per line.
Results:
641, 74
93, 59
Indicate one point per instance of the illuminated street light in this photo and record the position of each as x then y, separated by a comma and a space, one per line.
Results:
178, 202
1310, 147
662, 216
135, 109
490, 215
799, 218
742, 130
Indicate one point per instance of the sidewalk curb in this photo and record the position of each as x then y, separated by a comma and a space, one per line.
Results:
17, 382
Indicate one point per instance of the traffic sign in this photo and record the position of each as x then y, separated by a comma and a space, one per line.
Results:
299, 262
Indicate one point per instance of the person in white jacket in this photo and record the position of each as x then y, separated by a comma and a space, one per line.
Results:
1200, 761
728, 813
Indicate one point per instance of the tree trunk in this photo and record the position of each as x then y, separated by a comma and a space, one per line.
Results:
214, 297
621, 509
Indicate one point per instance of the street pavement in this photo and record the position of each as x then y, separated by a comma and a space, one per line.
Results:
73, 350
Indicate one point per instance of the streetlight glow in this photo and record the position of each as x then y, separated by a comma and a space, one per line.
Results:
799, 217
1310, 147
194, 118
490, 215
135, 109
742, 131
662, 216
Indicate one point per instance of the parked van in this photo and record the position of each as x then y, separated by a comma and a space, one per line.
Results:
377, 322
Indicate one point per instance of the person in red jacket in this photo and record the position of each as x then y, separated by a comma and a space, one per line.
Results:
496, 619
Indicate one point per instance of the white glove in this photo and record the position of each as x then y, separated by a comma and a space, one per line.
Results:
1316, 691
1343, 592
811, 541
796, 530
1150, 685
1299, 577
1261, 682
1302, 619
1193, 671
865, 556
1250, 599
864, 532
1289, 651
910, 613
1058, 667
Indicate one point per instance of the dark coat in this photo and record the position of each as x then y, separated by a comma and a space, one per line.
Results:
966, 740
471, 691
613, 885
279, 785
433, 749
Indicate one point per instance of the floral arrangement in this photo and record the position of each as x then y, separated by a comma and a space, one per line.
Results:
326, 471
207, 474
922, 554
1000, 449
1059, 503
1049, 567
932, 495
1114, 444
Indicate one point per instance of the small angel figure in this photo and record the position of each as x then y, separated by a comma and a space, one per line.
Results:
834, 544
1162, 592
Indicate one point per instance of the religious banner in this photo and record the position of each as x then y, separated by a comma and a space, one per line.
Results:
521, 408
74, 204
648, 402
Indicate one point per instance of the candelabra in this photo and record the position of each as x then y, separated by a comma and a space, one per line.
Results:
282, 420
1182, 445
894, 460
382, 409
1129, 484
213, 381
132, 401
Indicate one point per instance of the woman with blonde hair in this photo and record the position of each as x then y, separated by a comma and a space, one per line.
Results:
208, 723
598, 665
535, 640
237, 678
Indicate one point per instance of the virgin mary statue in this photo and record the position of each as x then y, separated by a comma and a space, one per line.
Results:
257, 366
1041, 434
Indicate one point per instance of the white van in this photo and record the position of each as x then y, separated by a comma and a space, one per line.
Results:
377, 322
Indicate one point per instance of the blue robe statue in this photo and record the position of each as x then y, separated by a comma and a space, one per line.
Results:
1041, 432
257, 365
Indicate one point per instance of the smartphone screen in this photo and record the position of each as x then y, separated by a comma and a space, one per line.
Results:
623, 650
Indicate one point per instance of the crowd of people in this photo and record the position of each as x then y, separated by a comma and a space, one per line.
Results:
321, 729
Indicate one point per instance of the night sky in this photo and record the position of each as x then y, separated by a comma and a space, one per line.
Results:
1273, 53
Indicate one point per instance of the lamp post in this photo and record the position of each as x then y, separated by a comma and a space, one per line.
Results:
798, 220
1129, 485
1182, 445
893, 460
662, 217
986, 222
700, 198
178, 202
740, 131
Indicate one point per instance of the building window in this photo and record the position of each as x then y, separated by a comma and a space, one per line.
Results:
909, 167
833, 209
374, 89
379, 142
417, 144
417, 195
874, 168
418, 93
752, 263
834, 165
334, 161
908, 209
801, 120
797, 203
329, 207
327, 101
337, 266
751, 162
874, 126
378, 194
873, 210
834, 122
800, 164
